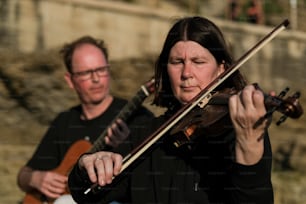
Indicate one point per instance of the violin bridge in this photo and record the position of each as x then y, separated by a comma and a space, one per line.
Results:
205, 101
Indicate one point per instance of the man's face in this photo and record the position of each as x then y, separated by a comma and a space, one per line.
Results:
91, 80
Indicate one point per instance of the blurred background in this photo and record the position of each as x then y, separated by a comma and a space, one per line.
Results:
33, 91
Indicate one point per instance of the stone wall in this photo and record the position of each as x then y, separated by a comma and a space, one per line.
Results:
138, 31
129, 30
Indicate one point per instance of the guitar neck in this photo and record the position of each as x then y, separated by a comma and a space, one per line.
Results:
124, 114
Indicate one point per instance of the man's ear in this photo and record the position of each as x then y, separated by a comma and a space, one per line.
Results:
68, 80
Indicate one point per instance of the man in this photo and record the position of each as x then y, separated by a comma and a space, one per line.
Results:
88, 74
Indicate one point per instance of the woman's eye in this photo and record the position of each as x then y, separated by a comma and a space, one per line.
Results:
199, 62
174, 62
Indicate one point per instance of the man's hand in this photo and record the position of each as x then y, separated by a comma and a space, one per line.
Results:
49, 183
117, 133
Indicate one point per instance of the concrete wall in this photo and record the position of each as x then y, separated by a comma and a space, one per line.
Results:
129, 31
136, 31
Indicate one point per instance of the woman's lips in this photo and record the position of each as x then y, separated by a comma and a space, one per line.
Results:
188, 88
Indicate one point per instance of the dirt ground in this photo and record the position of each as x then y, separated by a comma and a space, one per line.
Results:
12, 158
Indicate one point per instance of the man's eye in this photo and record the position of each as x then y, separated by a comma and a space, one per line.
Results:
101, 70
84, 73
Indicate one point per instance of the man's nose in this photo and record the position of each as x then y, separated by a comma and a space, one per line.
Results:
95, 76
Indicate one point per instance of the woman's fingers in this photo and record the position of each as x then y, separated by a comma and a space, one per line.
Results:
101, 167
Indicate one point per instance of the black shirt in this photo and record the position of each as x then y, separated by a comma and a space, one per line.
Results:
207, 174
68, 128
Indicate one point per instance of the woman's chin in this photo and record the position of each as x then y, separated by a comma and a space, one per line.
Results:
185, 100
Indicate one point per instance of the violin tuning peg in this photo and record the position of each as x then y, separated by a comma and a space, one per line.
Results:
283, 92
270, 112
281, 120
297, 95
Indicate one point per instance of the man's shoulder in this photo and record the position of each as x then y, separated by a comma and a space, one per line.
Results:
71, 112
119, 101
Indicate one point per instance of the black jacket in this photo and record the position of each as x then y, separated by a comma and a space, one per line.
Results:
166, 174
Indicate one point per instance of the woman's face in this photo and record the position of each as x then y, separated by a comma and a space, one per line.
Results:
191, 68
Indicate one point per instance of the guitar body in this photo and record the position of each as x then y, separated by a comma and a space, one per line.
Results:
71, 157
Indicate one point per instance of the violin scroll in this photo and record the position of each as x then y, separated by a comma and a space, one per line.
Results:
289, 107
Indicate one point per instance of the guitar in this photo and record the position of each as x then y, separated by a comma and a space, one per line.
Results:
82, 146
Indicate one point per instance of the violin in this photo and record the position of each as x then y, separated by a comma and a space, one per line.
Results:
213, 119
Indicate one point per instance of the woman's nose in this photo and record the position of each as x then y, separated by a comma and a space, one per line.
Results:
187, 70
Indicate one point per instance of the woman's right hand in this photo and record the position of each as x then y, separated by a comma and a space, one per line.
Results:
101, 167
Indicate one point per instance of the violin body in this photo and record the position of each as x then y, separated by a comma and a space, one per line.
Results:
213, 119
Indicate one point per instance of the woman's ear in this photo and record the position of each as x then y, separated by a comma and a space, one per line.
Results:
68, 80
221, 68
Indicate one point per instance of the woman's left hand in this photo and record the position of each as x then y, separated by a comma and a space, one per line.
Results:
247, 110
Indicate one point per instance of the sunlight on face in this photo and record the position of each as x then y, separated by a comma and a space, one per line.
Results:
191, 68
96, 88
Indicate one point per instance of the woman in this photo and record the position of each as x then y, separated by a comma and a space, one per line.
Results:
234, 167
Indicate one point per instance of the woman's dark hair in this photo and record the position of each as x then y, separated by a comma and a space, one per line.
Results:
69, 48
205, 33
